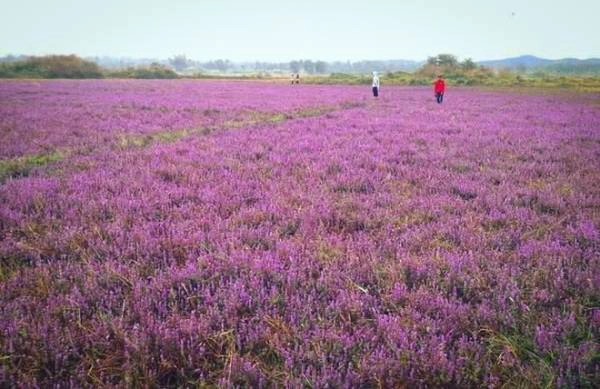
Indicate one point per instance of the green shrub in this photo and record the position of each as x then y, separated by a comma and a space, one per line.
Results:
52, 66
154, 71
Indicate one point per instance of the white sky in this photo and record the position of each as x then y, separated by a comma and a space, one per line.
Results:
271, 30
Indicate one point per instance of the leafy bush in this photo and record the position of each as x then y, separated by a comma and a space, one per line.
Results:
52, 66
154, 71
71, 66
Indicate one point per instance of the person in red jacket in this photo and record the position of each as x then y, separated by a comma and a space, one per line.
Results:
439, 87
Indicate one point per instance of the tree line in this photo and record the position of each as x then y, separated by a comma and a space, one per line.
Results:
465, 72
182, 64
74, 67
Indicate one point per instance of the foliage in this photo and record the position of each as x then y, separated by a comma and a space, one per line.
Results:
22, 166
468, 73
53, 66
71, 66
443, 60
310, 237
154, 71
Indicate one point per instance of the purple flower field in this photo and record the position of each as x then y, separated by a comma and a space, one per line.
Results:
315, 237
38, 116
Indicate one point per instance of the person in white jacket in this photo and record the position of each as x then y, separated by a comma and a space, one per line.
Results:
375, 84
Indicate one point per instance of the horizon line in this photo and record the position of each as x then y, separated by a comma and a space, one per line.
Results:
295, 59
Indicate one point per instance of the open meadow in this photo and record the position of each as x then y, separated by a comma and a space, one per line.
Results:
230, 233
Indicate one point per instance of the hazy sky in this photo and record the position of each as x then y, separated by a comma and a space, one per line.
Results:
313, 29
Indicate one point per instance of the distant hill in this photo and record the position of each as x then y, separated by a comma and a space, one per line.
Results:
533, 63
529, 61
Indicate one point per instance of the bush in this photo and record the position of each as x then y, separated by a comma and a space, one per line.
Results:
52, 66
71, 66
154, 71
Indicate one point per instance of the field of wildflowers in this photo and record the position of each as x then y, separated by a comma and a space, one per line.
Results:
252, 234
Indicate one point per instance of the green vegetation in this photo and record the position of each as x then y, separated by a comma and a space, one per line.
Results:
52, 66
22, 166
456, 72
502, 79
467, 73
71, 66
144, 140
153, 71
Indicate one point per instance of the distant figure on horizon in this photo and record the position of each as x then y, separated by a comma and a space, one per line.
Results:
439, 88
375, 84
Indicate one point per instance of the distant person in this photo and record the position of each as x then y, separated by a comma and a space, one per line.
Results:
375, 84
293, 78
297, 78
439, 87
